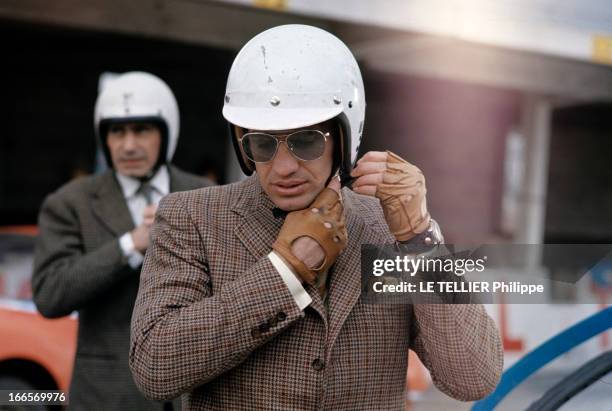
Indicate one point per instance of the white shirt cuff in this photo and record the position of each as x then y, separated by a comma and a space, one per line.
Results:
301, 297
134, 257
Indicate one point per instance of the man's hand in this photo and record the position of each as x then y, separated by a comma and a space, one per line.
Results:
141, 235
400, 186
311, 239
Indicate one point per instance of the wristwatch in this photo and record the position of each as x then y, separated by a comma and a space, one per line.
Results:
424, 242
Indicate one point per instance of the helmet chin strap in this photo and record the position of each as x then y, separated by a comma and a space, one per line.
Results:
345, 178
332, 176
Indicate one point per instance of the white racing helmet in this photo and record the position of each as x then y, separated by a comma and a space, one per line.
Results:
295, 76
138, 97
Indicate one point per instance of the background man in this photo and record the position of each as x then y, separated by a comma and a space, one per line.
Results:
238, 326
94, 233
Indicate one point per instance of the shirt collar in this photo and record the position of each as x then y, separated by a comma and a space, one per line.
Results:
160, 182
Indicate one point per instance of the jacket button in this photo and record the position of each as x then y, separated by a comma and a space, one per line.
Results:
318, 364
281, 316
264, 327
255, 333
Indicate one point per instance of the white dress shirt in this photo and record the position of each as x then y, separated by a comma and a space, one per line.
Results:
301, 297
136, 202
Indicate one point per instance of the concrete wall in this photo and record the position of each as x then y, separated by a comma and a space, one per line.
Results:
456, 134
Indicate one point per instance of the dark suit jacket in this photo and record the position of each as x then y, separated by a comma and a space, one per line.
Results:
213, 317
79, 266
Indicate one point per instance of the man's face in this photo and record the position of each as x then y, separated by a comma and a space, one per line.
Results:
134, 147
291, 183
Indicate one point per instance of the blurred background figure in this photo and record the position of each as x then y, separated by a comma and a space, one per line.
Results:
95, 230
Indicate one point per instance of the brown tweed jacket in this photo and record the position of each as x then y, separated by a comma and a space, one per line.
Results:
79, 267
214, 319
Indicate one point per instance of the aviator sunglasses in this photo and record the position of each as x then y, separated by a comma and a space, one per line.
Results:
305, 145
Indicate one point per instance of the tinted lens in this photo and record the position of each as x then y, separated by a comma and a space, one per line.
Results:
307, 144
259, 147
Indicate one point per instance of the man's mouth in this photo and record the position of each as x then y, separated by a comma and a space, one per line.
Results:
130, 161
289, 188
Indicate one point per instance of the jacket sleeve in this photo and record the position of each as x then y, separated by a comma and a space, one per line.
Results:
457, 341
66, 278
184, 335
461, 347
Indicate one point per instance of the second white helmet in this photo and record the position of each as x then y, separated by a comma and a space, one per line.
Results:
138, 96
295, 76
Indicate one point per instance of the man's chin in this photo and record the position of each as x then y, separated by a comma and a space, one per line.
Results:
292, 204
133, 173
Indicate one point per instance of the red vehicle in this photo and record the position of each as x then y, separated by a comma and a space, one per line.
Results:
35, 352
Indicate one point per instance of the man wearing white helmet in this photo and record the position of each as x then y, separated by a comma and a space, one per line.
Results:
250, 296
94, 232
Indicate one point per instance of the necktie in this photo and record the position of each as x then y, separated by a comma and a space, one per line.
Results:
147, 191
321, 285
278, 213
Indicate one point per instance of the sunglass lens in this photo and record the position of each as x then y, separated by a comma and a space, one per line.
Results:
307, 144
259, 147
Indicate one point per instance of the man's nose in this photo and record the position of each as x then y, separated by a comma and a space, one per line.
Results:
284, 163
129, 141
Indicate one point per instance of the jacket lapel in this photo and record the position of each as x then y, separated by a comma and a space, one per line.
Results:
109, 205
258, 229
177, 182
345, 280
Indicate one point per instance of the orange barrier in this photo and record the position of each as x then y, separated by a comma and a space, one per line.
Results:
20, 229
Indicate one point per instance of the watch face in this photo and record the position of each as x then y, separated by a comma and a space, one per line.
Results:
434, 232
